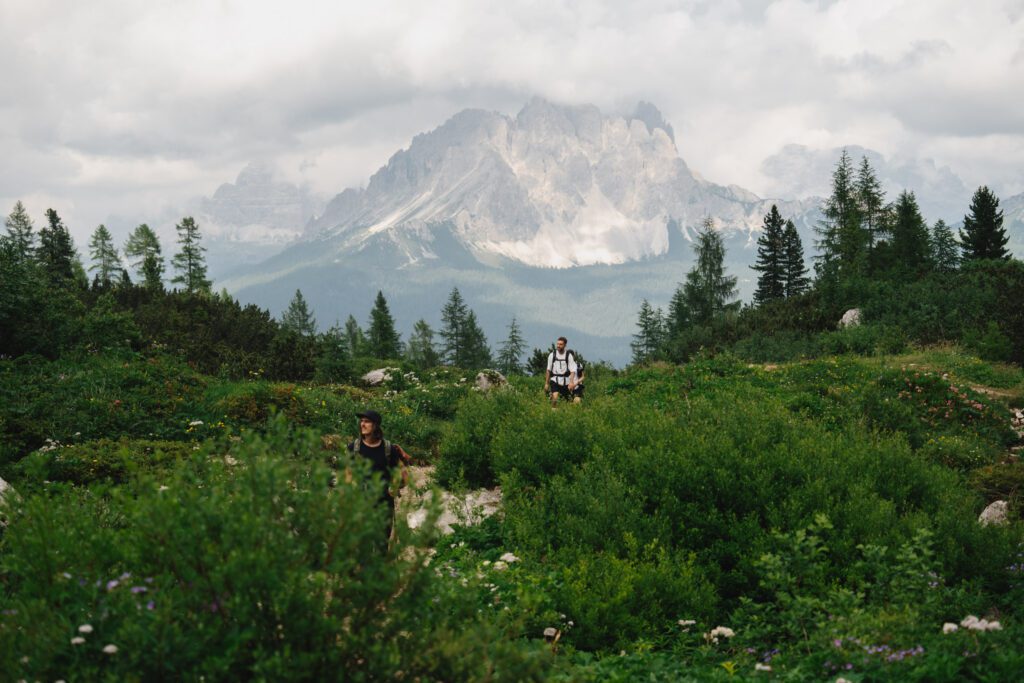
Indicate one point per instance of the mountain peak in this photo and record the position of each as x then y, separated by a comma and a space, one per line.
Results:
651, 117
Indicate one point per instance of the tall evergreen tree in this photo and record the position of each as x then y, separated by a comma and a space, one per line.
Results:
143, 250
510, 352
707, 290
842, 249
190, 262
453, 321
771, 259
19, 232
56, 251
474, 344
334, 364
383, 339
104, 257
945, 249
796, 278
910, 240
650, 335
420, 350
983, 236
354, 337
870, 203
298, 318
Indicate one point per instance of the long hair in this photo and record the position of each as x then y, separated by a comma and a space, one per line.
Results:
378, 433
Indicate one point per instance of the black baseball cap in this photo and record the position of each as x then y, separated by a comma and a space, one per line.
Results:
371, 415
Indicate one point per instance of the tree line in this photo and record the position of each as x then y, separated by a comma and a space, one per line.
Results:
868, 250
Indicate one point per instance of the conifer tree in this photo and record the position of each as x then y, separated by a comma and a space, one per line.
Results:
843, 244
707, 290
453, 321
910, 241
354, 337
334, 364
983, 236
871, 203
511, 350
298, 317
143, 247
945, 250
420, 350
56, 251
384, 341
796, 278
771, 259
104, 257
190, 261
474, 344
650, 335
19, 232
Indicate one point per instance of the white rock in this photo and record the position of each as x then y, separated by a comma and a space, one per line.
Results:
850, 319
995, 513
375, 378
490, 379
468, 509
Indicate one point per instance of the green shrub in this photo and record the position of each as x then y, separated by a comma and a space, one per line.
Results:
959, 452
103, 460
466, 446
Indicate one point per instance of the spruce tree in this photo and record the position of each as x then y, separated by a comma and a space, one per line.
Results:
796, 278
420, 350
298, 317
910, 240
871, 203
511, 350
843, 244
983, 236
104, 257
476, 353
143, 248
334, 364
771, 259
354, 337
453, 320
650, 334
190, 261
56, 251
19, 232
945, 249
384, 341
707, 290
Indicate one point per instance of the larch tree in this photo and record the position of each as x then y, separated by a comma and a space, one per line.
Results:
105, 259
510, 351
190, 261
420, 349
144, 254
945, 248
19, 232
298, 318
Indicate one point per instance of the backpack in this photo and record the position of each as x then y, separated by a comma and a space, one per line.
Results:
554, 359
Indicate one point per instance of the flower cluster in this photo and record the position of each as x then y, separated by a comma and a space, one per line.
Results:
718, 632
973, 623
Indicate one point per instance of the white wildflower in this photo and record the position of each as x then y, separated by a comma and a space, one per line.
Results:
949, 627
195, 423
500, 566
723, 631
762, 667
550, 632
686, 622
77, 640
110, 649
509, 557
85, 628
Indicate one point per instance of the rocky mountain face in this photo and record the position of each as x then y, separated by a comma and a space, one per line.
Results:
554, 186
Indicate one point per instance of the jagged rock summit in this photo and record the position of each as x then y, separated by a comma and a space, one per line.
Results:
554, 186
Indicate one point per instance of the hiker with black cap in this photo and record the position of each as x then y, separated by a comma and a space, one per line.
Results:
384, 458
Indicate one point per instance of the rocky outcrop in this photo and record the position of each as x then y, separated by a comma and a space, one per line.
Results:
995, 513
490, 379
378, 377
464, 509
850, 319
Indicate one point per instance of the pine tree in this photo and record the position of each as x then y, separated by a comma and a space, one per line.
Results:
298, 317
190, 261
104, 257
650, 336
56, 251
453, 320
870, 203
420, 350
843, 244
383, 339
143, 247
983, 236
945, 249
771, 259
707, 289
511, 351
19, 232
354, 337
910, 244
797, 281
474, 344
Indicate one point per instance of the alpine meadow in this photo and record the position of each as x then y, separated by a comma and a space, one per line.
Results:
530, 398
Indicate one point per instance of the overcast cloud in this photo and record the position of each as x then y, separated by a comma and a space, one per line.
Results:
128, 109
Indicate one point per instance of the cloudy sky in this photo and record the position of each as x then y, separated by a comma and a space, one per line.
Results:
115, 111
